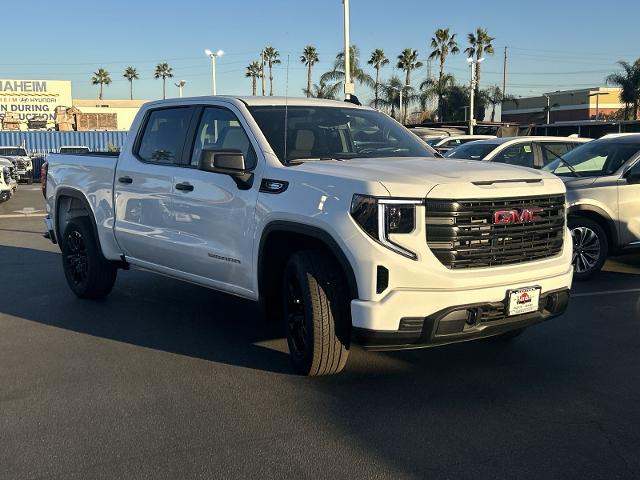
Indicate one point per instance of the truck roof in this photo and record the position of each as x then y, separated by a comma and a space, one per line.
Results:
264, 101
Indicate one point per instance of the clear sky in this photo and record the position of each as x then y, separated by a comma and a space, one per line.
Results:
552, 44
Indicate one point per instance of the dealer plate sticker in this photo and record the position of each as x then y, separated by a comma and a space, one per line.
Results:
524, 300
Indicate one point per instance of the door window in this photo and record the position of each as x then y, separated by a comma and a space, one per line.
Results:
163, 136
520, 154
219, 129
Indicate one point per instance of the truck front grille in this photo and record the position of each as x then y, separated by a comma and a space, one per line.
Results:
462, 233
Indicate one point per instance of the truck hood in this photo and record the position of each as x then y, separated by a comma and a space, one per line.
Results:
416, 177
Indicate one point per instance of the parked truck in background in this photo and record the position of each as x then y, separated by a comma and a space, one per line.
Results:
21, 160
334, 217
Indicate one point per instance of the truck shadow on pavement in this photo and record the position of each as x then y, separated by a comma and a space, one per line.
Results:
143, 309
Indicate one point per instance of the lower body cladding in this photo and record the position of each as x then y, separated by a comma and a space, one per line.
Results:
430, 317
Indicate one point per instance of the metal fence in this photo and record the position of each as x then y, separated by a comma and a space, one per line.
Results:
41, 143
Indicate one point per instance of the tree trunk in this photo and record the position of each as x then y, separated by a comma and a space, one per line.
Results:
377, 86
164, 88
254, 85
100, 96
309, 80
131, 89
440, 77
270, 79
493, 111
635, 110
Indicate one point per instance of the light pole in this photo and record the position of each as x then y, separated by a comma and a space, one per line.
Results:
472, 64
597, 95
212, 56
399, 90
548, 107
180, 86
349, 87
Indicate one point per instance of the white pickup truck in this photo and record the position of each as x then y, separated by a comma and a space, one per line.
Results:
343, 224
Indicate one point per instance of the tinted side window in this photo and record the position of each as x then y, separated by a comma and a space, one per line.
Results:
163, 136
219, 129
520, 154
559, 148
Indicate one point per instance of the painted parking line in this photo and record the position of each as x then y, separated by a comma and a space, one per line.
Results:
606, 292
23, 215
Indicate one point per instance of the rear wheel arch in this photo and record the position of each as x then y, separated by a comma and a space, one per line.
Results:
279, 240
70, 204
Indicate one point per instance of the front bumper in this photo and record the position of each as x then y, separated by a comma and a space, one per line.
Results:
460, 323
25, 176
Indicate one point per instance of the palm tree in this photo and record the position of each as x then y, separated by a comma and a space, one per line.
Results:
131, 74
408, 61
163, 71
309, 57
494, 96
254, 72
324, 90
271, 56
378, 60
479, 44
629, 81
389, 96
431, 88
443, 44
357, 73
101, 77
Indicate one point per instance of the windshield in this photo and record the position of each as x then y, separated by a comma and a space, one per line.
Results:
13, 151
593, 159
433, 141
471, 151
335, 132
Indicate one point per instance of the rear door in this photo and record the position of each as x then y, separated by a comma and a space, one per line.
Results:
550, 151
213, 216
144, 182
520, 154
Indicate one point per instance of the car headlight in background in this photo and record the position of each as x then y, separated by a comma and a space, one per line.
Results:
380, 217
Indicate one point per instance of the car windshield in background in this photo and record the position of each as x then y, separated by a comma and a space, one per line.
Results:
433, 141
13, 152
471, 151
335, 133
593, 159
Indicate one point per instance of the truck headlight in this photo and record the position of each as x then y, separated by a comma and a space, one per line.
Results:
380, 217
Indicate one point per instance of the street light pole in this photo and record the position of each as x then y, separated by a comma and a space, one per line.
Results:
180, 86
597, 95
472, 63
349, 87
212, 56
548, 107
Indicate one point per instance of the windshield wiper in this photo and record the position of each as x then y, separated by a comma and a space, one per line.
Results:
561, 158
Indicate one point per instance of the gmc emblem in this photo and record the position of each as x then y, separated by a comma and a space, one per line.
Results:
526, 215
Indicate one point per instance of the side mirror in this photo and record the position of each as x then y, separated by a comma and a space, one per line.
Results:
633, 176
222, 161
227, 162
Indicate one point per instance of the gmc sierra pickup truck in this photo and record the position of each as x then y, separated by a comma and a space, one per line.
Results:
337, 219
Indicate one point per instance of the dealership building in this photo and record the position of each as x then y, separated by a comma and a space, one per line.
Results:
49, 104
564, 106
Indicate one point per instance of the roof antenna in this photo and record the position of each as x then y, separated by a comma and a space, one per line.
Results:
286, 111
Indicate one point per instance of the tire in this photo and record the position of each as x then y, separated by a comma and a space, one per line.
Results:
590, 247
88, 273
316, 313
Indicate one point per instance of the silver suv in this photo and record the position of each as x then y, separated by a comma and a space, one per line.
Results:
603, 194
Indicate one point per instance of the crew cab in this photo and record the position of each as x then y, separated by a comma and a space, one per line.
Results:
531, 152
334, 217
21, 160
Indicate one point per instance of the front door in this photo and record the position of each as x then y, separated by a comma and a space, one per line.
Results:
213, 216
629, 204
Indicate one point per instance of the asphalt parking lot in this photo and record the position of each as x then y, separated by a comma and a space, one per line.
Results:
169, 380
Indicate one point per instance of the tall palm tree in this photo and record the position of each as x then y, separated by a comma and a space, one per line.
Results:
357, 73
479, 44
436, 88
378, 60
323, 90
443, 44
309, 57
131, 74
163, 71
408, 61
389, 96
254, 72
629, 81
101, 77
272, 57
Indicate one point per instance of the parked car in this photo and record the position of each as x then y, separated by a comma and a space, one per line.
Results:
445, 144
21, 160
74, 149
603, 194
532, 152
336, 218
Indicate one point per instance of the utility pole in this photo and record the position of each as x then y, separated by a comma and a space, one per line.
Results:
349, 87
262, 70
504, 74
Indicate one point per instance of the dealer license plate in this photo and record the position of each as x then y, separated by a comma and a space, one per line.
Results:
524, 300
